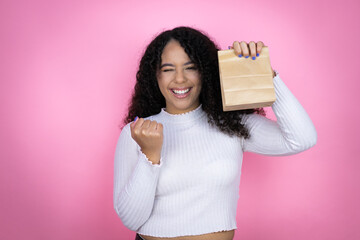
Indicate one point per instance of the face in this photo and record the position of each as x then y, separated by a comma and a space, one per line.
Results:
178, 79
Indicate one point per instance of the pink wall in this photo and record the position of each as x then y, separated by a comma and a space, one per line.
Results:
66, 74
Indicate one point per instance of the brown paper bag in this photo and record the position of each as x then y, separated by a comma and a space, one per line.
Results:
245, 83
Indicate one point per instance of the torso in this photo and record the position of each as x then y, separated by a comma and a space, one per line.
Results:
208, 173
224, 235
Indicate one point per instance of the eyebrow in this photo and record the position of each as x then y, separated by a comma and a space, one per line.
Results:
171, 65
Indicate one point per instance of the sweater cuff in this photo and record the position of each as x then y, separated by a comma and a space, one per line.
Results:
146, 160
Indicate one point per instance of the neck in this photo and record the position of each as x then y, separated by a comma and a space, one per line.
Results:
189, 116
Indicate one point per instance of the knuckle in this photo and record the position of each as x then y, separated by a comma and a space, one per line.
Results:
136, 132
139, 122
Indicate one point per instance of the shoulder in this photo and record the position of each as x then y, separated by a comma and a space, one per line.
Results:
125, 132
254, 119
154, 117
248, 118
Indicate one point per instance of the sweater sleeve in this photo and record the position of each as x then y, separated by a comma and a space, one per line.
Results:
135, 181
293, 132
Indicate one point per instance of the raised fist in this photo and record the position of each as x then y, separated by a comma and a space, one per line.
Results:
149, 136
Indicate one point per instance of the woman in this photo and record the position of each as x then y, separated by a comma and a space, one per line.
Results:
178, 158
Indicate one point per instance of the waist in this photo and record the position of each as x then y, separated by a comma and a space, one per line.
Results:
223, 235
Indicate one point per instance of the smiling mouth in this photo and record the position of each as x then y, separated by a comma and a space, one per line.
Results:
181, 93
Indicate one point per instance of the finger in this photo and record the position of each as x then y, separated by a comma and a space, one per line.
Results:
252, 47
132, 124
153, 125
135, 129
237, 48
160, 127
146, 124
244, 49
138, 123
145, 130
259, 46
155, 130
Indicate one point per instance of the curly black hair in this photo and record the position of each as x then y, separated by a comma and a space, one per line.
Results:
147, 99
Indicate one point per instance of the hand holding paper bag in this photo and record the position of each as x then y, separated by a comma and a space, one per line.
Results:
246, 83
252, 49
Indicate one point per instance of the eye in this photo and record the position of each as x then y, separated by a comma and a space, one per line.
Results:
167, 70
192, 68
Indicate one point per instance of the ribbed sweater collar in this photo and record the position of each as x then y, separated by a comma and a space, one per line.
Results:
190, 116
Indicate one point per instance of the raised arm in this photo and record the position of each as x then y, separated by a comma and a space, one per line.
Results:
135, 181
293, 132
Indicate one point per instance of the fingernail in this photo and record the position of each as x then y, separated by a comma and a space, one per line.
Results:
240, 55
135, 118
257, 54
229, 47
246, 56
253, 58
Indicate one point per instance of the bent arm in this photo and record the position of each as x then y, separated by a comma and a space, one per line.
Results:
293, 132
135, 181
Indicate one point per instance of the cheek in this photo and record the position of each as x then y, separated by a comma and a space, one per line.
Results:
198, 82
199, 91
162, 86
195, 78
199, 85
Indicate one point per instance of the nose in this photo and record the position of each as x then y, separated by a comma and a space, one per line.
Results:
180, 78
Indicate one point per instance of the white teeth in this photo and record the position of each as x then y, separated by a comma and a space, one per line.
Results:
181, 91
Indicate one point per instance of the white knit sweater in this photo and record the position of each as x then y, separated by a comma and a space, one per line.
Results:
195, 188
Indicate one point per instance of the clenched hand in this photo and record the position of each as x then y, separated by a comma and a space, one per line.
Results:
149, 136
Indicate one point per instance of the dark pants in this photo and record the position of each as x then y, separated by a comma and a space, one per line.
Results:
138, 237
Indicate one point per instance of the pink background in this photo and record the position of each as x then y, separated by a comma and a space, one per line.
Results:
67, 70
